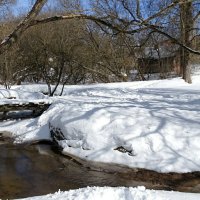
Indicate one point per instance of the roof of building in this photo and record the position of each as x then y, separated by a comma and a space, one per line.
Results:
161, 52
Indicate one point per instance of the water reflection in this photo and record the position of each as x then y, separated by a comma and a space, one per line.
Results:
24, 172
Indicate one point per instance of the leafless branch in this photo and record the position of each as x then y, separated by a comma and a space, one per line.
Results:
22, 26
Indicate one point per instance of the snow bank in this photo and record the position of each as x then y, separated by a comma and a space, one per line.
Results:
156, 126
153, 125
42, 88
105, 193
20, 94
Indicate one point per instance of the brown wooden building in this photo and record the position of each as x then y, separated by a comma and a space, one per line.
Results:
164, 59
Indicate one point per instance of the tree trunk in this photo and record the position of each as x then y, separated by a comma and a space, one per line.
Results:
186, 19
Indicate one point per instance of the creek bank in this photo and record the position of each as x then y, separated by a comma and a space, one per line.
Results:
183, 182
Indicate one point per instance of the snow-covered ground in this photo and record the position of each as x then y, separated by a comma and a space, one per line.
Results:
108, 193
155, 123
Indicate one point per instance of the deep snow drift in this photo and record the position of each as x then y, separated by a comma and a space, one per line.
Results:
153, 125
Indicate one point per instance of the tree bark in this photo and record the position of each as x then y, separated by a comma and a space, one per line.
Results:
186, 20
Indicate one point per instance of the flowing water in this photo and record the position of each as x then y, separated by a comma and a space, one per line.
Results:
36, 170
24, 172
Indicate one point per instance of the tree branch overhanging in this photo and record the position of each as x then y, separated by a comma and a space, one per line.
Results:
22, 26
30, 20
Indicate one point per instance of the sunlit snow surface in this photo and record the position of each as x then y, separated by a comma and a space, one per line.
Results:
157, 122
108, 193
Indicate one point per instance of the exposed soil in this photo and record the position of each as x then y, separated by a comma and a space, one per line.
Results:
183, 182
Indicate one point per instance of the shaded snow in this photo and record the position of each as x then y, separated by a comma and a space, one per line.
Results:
105, 193
157, 122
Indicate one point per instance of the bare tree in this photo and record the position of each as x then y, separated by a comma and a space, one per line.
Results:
120, 16
139, 16
22, 26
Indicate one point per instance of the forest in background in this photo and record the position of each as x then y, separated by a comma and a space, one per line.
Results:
105, 41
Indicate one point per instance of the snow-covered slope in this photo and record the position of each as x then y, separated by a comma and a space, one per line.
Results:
156, 124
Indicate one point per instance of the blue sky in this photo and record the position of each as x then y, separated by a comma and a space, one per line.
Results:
23, 6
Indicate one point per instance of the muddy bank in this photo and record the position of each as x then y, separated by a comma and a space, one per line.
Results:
183, 182
188, 182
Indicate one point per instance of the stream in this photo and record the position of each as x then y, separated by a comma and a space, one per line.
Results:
36, 170
27, 171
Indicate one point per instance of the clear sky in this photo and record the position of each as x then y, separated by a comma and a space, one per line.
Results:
23, 6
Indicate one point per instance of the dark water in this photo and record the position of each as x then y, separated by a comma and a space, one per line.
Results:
24, 173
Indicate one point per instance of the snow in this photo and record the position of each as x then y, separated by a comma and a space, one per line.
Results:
20, 94
156, 122
16, 96
121, 193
